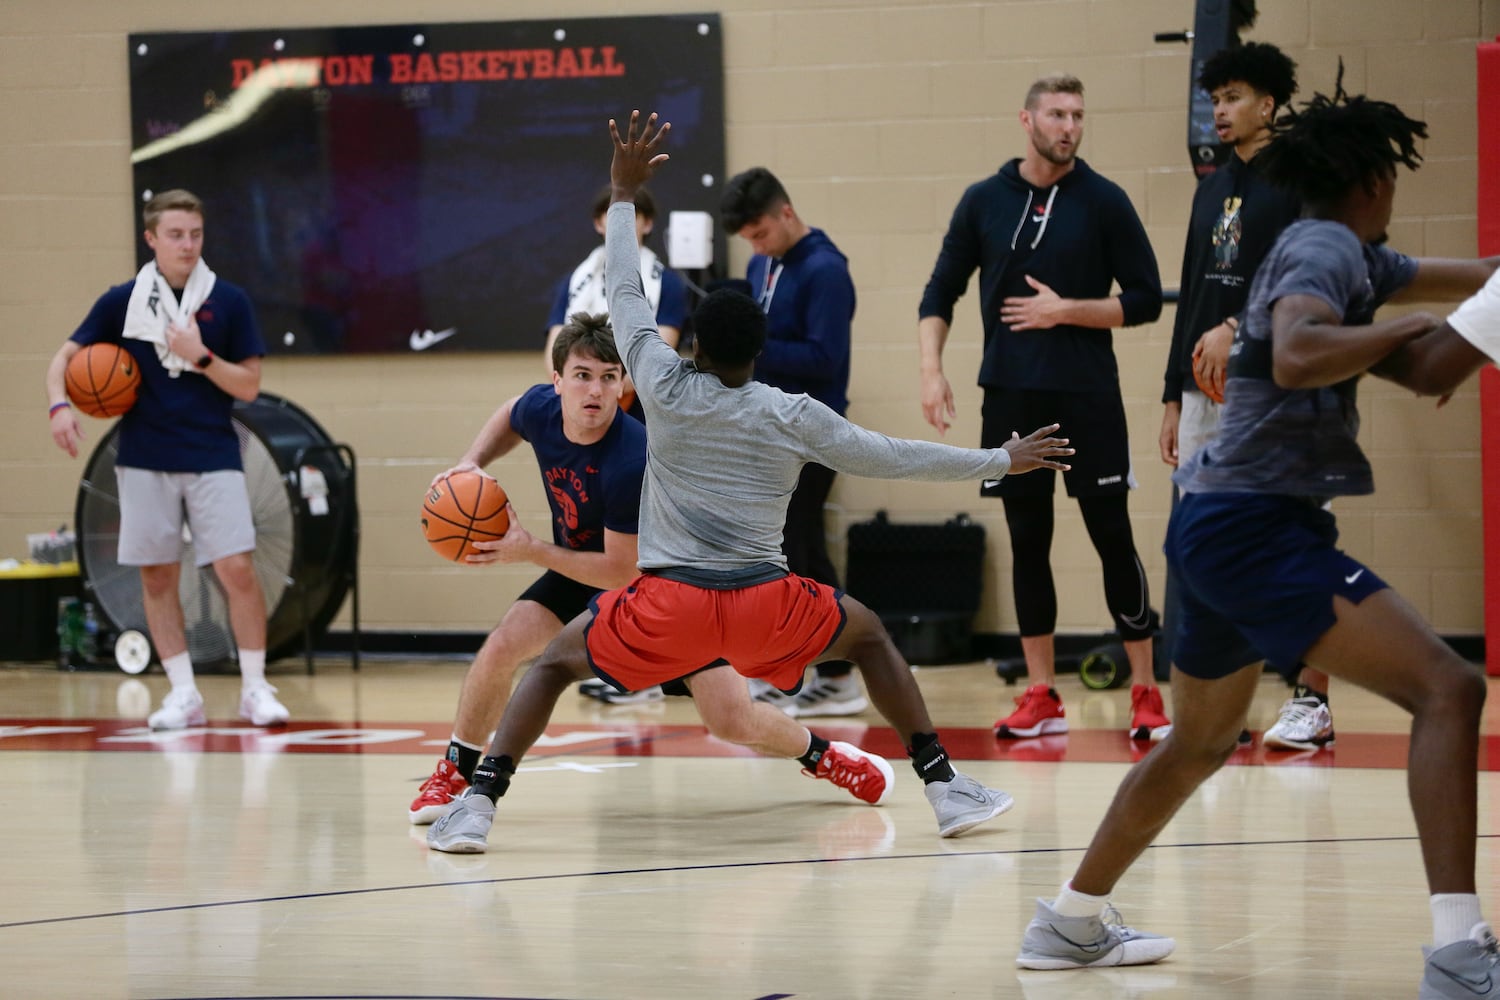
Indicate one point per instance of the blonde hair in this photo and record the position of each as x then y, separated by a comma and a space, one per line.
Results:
176, 199
1057, 83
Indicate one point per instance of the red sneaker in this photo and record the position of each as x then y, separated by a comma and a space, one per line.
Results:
445, 785
1039, 711
1148, 719
867, 777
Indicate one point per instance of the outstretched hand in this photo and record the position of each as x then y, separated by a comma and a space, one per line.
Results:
1037, 450
636, 157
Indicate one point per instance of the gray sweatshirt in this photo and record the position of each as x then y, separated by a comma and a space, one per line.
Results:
721, 462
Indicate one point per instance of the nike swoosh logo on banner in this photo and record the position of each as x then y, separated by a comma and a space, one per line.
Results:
423, 339
1354, 576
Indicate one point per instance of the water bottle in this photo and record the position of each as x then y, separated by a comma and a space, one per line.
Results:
88, 644
69, 630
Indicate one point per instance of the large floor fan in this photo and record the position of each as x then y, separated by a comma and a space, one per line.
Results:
306, 523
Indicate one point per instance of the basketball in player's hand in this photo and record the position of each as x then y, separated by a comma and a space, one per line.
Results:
463, 508
102, 380
1205, 385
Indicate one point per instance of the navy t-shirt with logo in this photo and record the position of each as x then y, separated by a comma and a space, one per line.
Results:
179, 424
590, 487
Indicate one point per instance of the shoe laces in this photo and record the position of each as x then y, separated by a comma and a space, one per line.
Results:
1300, 710
1031, 694
1488, 944
260, 693
440, 781
844, 771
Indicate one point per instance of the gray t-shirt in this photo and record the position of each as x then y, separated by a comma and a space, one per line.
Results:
721, 462
1299, 442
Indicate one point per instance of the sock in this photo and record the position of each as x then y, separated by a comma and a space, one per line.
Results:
1072, 903
929, 759
1303, 691
252, 668
1454, 915
816, 747
492, 776
179, 670
464, 756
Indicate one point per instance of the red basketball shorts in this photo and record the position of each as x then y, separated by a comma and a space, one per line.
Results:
656, 630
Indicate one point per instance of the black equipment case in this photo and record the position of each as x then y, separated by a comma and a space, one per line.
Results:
923, 580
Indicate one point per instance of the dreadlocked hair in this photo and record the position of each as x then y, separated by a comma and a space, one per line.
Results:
1337, 143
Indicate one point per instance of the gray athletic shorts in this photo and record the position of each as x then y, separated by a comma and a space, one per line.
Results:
153, 505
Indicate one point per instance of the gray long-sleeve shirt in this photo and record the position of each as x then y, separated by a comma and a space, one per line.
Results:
722, 462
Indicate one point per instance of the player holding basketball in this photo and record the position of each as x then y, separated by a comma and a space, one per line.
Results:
1236, 216
726, 452
196, 342
1253, 499
1050, 239
591, 457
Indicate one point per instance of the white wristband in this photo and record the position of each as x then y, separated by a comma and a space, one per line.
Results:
1478, 319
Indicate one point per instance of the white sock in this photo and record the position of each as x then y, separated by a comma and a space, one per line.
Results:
1454, 915
252, 668
179, 670
1072, 903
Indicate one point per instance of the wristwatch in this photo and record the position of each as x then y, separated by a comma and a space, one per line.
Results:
206, 360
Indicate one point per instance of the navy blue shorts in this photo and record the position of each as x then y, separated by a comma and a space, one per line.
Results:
1258, 574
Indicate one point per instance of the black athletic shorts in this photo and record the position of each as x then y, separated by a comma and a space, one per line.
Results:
566, 598
1093, 423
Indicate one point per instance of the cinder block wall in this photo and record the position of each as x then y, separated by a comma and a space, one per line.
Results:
876, 114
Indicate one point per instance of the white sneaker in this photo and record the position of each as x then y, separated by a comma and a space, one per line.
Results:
1304, 724
259, 705
828, 696
764, 691
181, 708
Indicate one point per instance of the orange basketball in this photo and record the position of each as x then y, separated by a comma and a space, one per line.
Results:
1207, 388
460, 509
102, 380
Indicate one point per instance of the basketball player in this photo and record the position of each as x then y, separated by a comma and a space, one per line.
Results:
591, 457
1254, 499
1236, 216
583, 289
1051, 238
802, 282
198, 348
726, 453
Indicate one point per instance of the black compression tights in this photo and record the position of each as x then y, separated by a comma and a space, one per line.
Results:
1108, 522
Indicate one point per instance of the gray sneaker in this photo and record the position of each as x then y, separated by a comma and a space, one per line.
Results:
465, 827
1463, 969
1054, 942
964, 803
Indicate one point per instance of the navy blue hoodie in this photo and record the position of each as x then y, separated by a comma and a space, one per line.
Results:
1078, 237
809, 301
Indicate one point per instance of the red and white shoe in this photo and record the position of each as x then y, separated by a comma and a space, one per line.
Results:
1039, 711
445, 785
1148, 717
867, 777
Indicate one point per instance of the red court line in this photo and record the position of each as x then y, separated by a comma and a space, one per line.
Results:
638, 739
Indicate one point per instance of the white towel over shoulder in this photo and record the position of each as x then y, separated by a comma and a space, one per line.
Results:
586, 286
152, 306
